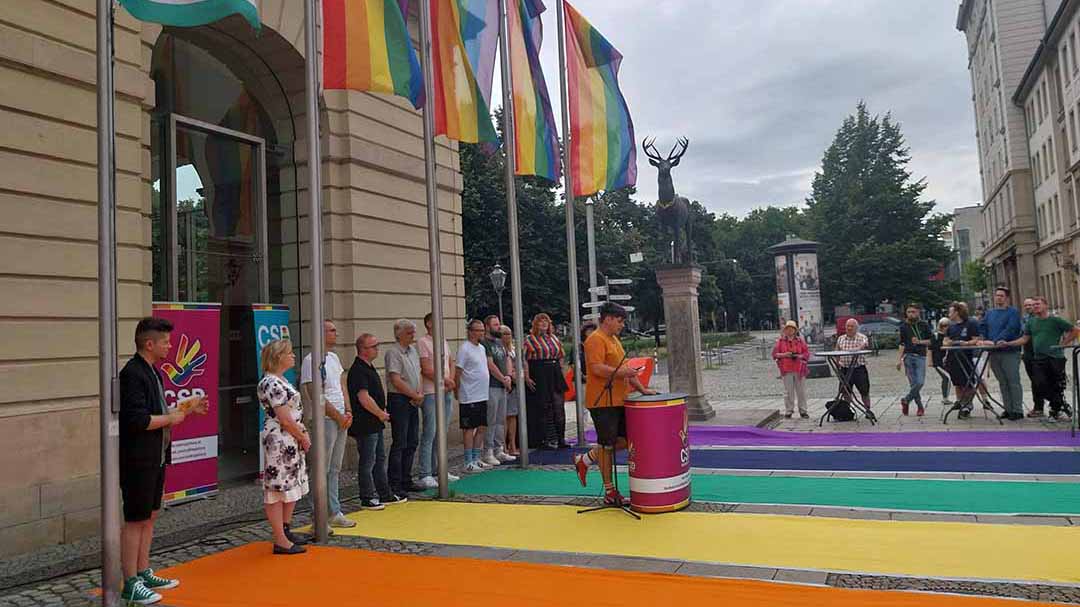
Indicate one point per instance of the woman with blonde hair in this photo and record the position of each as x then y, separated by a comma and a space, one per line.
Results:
284, 441
512, 407
544, 379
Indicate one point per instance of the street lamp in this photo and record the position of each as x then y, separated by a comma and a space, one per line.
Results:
498, 282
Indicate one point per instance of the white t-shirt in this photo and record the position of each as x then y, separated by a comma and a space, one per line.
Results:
427, 350
331, 381
472, 360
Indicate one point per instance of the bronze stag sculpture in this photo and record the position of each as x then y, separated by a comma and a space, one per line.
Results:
673, 210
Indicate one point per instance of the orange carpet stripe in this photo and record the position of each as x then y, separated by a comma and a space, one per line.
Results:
251, 575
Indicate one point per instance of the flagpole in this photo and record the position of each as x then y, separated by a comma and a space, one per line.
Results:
590, 235
434, 246
318, 429
571, 237
512, 221
111, 576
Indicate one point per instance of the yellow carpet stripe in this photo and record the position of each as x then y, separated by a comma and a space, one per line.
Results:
943, 550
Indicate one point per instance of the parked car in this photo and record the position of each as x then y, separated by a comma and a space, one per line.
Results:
879, 328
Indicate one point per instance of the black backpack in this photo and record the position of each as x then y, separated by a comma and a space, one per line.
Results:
840, 410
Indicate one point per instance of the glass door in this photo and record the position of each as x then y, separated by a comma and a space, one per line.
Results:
217, 236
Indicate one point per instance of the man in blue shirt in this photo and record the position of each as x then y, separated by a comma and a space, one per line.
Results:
1000, 326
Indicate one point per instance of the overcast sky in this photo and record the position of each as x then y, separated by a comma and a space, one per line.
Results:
761, 86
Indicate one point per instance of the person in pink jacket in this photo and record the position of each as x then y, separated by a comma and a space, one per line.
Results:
791, 354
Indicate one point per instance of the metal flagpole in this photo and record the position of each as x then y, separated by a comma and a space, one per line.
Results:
511, 218
571, 241
318, 430
590, 234
111, 576
434, 248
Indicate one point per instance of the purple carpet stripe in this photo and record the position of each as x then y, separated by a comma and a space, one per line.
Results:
747, 436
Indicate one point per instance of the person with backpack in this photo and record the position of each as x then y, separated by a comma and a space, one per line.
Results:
791, 354
855, 366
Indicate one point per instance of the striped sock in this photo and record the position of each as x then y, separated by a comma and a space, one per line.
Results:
609, 487
468, 457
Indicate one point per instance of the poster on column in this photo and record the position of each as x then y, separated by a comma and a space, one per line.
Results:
271, 323
783, 301
191, 369
808, 295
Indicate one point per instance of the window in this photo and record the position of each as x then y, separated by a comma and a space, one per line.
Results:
1072, 51
1038, 105
1046, 98
1051, 156
1071, 133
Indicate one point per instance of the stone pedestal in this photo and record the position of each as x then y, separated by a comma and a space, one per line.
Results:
680, 290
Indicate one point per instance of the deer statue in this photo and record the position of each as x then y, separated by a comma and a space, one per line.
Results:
673, 210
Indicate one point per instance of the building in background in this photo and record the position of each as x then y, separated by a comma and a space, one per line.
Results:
968, 240
212, 203
1002, 36
1049, 94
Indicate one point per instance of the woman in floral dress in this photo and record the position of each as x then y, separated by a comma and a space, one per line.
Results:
284, 441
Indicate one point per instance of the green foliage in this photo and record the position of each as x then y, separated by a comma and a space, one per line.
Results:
879, 239
975, 276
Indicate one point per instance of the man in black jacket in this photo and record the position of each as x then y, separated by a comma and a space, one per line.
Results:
145, 423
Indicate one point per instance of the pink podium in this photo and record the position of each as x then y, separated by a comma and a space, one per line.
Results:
659, 452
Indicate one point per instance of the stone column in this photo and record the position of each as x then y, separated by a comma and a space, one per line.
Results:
680, 291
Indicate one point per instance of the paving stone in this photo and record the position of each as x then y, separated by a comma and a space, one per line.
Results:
804, 473
624, 563
931, 475
998, 519
801, 576
571, 559
870, 515
729, 571
767, 509
474, 552
933, 517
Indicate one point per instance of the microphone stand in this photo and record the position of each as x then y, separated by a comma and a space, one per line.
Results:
611, 449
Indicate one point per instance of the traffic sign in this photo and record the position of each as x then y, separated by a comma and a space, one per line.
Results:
592, 304
591, 316
620, 297
621, 281
637, 257
598, 290
629, 308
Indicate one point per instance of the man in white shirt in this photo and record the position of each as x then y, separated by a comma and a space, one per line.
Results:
338, 417
428, 454
472, 392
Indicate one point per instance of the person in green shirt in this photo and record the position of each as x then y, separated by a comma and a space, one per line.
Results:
1044, 331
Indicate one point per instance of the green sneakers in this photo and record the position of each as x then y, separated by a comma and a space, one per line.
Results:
135, 591
154, 582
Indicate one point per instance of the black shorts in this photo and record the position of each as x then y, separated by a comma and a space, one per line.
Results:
141, 489
860, 380
610, 424
473, 415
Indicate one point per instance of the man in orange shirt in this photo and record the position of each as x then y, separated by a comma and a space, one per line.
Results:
606, 387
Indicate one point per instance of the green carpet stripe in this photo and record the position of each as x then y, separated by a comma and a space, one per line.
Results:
968, 496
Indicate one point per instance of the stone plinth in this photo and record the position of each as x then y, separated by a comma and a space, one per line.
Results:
680, 288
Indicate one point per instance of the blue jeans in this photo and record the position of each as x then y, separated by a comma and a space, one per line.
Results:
335, 451
915, 369
429, 456
404, 439
371, 473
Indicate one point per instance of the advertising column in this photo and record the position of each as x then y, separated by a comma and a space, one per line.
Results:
191, 369
783, 297
808, 296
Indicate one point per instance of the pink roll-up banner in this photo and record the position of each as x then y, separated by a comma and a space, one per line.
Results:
191, 369
658, 442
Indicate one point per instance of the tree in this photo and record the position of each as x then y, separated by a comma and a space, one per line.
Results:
975, 276
879, 239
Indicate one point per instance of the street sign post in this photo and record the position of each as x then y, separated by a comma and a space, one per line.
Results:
619, 297
620, 281
598, 290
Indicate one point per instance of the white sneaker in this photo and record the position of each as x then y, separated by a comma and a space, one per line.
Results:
473, 467
490, 459
480, 464
452, 477
504, 457
429, 482
341, 521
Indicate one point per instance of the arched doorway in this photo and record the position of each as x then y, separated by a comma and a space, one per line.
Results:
224, 219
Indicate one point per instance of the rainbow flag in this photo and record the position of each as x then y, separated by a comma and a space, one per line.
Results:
536, 141
190, 13
603, 154
461, 113
480, 33
366, 47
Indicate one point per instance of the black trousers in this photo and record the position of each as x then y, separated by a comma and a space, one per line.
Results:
1048, 382
1038, 401
405, 438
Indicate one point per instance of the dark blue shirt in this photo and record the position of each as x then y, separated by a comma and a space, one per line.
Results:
1002, 325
